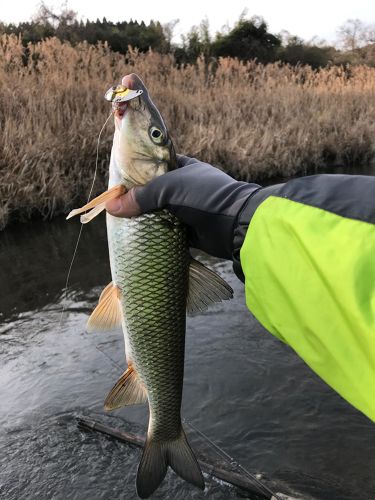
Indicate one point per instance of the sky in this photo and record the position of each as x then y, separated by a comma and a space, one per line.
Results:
305, 19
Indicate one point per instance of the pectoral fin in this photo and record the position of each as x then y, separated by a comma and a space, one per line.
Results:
107, 314
205, 288
128, 390
112, 193
85, 218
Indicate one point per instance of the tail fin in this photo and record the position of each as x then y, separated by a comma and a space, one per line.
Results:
157, 455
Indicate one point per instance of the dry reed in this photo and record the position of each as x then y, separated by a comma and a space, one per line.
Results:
253, 121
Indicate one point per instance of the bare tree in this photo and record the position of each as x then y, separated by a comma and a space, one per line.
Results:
354, 34
47, 15
168, 30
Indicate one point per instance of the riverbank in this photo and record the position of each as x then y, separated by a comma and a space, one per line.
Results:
253, 121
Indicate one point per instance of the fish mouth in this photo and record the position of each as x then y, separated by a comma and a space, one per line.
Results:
133, 83
119, 109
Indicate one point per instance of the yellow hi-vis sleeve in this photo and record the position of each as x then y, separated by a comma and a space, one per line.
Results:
310, 280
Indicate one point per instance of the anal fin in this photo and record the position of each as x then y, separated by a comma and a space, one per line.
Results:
107, 314
128, 390
205, 288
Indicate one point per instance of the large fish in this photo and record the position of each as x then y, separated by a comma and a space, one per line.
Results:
155, 281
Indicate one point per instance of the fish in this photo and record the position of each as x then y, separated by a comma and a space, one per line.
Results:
155, 282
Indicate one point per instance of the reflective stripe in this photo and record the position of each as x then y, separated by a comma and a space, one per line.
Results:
310, 280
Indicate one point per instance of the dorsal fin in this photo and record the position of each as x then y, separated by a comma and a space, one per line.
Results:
107, 314
205, 288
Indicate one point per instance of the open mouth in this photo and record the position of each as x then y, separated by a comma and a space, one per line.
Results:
119, 109
120, 96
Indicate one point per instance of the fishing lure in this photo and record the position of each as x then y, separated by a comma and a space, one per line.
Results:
120, 93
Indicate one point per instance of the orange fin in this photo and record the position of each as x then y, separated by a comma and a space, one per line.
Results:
107, 314
128, 390
112, 193
85, 218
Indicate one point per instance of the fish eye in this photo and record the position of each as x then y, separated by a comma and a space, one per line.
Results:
157, 135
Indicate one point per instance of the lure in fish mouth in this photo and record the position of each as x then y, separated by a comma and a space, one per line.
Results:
154, 282
142, 147
119, 95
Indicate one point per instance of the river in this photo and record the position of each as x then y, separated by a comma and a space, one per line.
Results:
248, 392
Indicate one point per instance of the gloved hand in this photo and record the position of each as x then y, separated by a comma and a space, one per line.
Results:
206, 199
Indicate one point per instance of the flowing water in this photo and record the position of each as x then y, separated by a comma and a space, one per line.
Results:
243, 388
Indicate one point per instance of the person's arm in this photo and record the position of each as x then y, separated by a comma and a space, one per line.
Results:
206, 199
305, 250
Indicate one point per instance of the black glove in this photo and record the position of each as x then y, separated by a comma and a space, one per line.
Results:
206, 199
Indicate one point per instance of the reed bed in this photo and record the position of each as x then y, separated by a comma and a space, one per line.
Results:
251, 120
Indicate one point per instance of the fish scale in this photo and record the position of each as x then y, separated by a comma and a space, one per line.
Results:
150, 262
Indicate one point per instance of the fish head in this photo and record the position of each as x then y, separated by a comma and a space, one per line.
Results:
142, 147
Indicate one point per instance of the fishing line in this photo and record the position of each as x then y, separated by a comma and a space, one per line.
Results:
81, 228
232, 461
110, 359
216, 447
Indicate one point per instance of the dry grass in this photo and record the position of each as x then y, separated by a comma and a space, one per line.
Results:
254, 121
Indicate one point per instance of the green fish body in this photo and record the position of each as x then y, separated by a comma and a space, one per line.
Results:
150, 265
